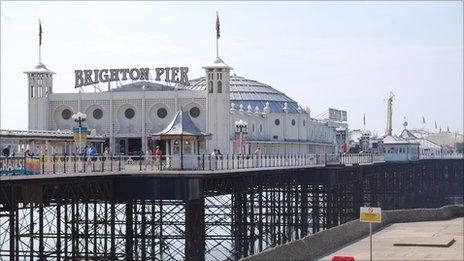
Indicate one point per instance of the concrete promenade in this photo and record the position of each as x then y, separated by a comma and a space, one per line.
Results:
428, 232
433, 225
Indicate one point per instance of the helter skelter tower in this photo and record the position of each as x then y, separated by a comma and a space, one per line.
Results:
389, 130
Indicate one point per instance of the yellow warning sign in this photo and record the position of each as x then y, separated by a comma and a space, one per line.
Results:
368, 214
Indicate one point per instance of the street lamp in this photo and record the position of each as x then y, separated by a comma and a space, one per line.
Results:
241, 128
80, 133
79, 117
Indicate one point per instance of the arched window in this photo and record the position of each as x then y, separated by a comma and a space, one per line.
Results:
210, 87
219, 87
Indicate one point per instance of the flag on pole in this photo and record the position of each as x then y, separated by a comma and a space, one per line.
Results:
423, 120
218, 33
40, 33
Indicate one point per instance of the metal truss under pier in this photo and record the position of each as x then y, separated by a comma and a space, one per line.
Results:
213, 216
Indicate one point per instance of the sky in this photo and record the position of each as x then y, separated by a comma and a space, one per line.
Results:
344, 55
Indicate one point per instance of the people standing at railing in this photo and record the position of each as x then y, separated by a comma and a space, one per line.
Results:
149, 159
214, 154
106, 153
6, 151
258, 154
158, 155
88, 157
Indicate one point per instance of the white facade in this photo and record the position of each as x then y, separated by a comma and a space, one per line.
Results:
398, 149
129, 114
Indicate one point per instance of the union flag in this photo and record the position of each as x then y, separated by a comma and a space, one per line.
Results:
40, 33
218, 33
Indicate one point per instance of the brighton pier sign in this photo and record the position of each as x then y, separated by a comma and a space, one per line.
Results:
166, 74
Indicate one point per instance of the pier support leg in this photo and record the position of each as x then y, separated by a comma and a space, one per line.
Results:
195, 229
304, 211
129, 231
11, 217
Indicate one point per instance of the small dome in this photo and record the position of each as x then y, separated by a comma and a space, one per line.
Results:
218, 60
40, 68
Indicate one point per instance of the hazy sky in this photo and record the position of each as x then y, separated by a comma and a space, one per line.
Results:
346, 55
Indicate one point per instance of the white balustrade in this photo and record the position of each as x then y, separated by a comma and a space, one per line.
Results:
151, 163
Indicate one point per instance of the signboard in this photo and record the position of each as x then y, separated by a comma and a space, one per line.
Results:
337, 115
32, 165
372, 215
166, 74
20, 165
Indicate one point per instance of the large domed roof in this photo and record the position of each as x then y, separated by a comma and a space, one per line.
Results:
250, 92
243, 91
138, 86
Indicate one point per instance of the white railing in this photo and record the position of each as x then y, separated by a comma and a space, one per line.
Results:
441, 156
42, 133
121, 163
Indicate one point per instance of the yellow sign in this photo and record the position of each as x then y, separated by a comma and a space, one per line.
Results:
80, 137
368, 214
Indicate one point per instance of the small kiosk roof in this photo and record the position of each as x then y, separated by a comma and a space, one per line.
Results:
181, 127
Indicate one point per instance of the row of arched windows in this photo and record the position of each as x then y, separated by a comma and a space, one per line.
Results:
211, 89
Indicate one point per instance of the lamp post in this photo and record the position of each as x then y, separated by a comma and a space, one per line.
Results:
241, 128
80, 133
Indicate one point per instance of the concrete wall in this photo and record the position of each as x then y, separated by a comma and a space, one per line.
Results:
310, 247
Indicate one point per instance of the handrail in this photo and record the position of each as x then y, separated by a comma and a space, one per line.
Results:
62, 133
119, 163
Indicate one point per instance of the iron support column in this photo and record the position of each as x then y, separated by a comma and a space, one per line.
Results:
195, 229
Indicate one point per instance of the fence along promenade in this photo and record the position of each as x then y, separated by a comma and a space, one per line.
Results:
121, 163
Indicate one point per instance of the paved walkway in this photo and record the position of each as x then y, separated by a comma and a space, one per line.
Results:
417, 232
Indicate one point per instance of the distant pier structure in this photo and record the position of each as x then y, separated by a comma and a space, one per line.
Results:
209, 215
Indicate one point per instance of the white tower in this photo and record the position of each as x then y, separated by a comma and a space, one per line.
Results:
390, 114
217, 105
40, 85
